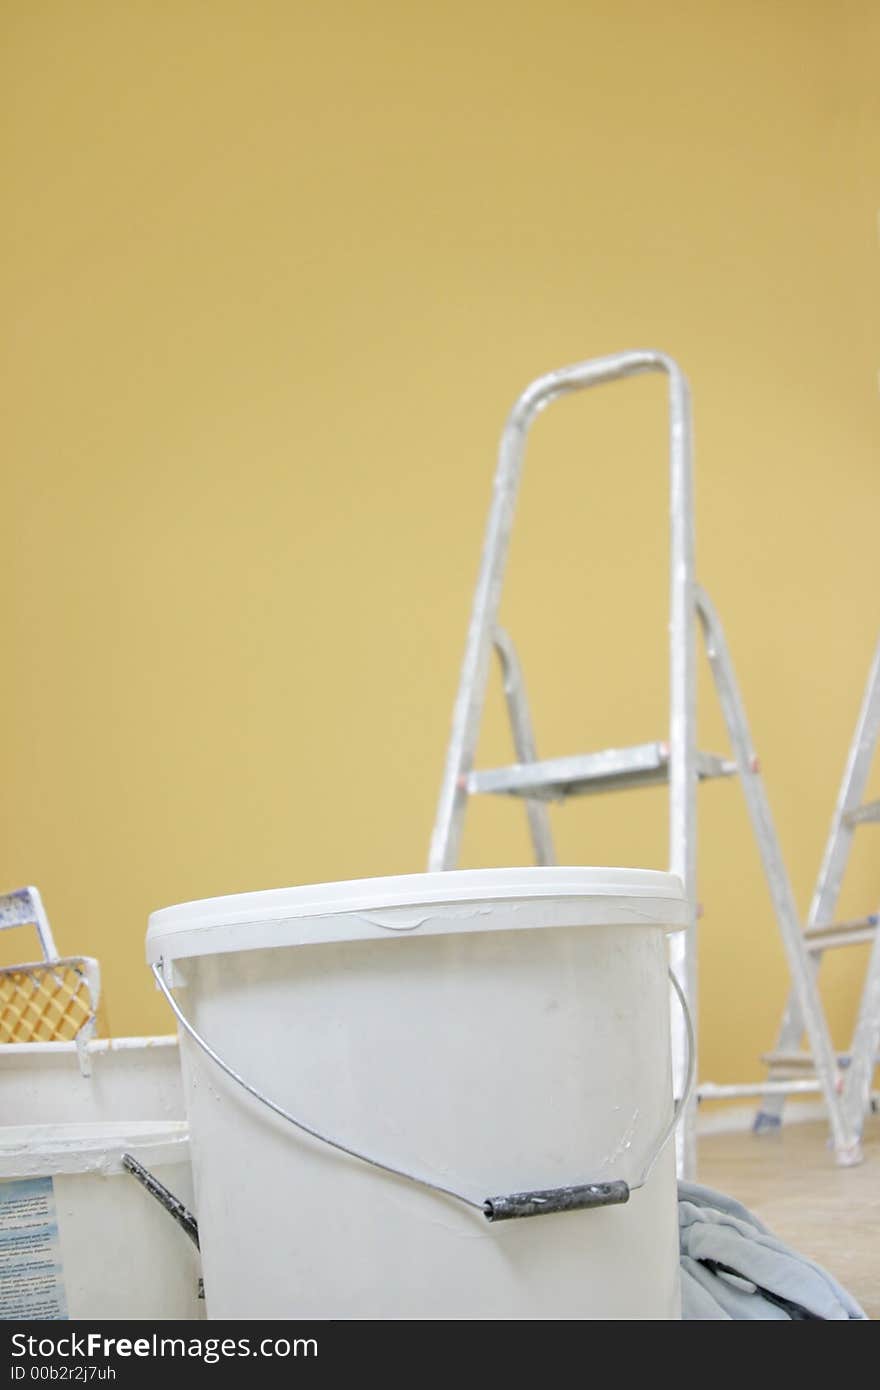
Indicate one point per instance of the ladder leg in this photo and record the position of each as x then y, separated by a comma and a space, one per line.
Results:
803, 975
866, 1042
682, 962
683, 745
769, 1114
524, 743
834, 862
468, 710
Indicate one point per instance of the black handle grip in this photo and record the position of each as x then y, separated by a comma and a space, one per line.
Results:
517, 1204
173, 1205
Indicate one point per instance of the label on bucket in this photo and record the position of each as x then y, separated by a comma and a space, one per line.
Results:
31, 1276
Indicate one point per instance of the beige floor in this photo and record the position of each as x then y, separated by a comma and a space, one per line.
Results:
791, 1181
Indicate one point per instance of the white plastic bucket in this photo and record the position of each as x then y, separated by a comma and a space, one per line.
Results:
490, 1031
80, 1238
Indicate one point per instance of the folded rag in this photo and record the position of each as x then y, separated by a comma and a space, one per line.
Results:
732, 1267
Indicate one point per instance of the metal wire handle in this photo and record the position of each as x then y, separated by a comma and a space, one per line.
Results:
502, 1208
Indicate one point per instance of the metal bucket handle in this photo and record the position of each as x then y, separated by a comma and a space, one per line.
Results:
503, 1208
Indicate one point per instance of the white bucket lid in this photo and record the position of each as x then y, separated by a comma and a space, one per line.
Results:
459, 900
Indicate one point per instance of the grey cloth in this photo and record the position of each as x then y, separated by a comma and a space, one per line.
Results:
732, 1267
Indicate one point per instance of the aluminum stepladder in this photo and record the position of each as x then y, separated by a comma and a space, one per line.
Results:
674, 760
822, 934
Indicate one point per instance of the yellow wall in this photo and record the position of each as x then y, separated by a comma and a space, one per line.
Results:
274, 272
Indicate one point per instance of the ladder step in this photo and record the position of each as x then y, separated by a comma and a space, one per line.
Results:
586, 774
799, 1061
802, 1061
849, 933
869, 812
711, 1090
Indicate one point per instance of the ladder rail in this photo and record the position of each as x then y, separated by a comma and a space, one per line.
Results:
865, 1046
802, 973
850, 796
838, 847
524, 742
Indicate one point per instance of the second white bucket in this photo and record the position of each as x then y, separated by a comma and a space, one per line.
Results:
490, 1032
80, 1238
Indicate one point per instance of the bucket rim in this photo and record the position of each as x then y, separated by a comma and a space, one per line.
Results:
88, 1146
428, 904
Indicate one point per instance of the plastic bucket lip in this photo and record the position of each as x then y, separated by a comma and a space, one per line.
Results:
13, 1055
89, 1146
454, 901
